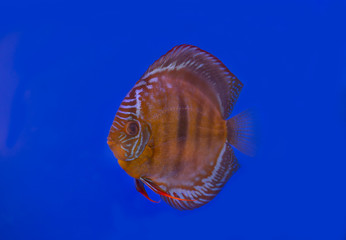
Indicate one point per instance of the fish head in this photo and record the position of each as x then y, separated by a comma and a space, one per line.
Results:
128, 138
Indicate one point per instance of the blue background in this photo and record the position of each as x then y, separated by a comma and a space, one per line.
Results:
66, 66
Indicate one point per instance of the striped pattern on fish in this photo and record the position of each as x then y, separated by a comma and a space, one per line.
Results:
171, 133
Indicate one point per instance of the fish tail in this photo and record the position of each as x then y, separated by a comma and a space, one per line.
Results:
241, 132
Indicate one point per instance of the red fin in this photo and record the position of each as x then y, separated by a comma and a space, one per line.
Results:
140, 188
241, 132
158, 190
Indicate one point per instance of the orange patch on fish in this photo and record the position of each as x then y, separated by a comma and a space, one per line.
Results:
171, 131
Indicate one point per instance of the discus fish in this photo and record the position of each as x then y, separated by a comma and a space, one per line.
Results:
171, 131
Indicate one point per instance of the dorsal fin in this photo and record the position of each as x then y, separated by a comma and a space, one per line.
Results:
211, 72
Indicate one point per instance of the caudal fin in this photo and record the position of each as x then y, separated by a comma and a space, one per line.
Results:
241, 132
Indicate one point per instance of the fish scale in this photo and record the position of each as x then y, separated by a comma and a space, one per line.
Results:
180, 143
204, 130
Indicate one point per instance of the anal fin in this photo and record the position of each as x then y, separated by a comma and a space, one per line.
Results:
227, 164
158, 190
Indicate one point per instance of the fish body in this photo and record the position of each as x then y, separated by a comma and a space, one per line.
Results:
171, 133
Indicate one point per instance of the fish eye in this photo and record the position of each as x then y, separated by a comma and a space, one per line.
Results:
132, 128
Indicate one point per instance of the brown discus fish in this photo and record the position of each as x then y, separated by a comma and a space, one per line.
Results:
171, 131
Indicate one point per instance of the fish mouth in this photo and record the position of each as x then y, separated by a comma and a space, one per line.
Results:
117, 151
110, 142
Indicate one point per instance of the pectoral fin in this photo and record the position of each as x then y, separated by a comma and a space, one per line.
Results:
140, 188
158, 190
